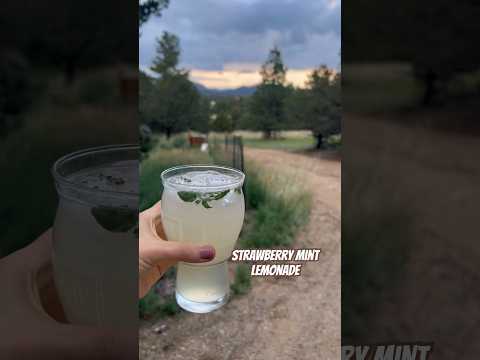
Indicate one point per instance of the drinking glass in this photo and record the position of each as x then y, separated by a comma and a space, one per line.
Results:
95, 235
203, 204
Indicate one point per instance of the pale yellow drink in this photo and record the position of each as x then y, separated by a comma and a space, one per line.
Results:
203, 205
95, 235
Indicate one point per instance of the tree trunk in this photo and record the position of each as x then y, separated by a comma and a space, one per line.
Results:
319, 144
168, 133
267, 134
430, 90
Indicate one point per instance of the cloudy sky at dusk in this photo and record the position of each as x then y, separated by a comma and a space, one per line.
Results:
224, 43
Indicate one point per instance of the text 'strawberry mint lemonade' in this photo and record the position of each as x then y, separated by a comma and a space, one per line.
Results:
203, 205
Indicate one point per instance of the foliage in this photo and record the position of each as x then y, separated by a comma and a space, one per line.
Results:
318, 107
171, 102
280, 209
160, 159
373, 253
273, 71
15, 90
152, 305
422, 41
150, 7
174, 104
267, 106
242, 281
36, 146
223, 116
167, 55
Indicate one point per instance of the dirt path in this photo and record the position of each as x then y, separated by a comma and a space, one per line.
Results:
296, 318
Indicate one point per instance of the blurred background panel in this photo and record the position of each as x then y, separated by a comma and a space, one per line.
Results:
410, 179
68, 81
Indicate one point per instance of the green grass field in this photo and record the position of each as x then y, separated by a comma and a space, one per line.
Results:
291, 144
290, 140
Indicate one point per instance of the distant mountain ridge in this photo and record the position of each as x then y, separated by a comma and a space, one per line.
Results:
241, 91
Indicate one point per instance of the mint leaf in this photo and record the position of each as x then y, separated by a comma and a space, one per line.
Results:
220, 195
238, 190
115, 219
205, 204
198, 201
187, 196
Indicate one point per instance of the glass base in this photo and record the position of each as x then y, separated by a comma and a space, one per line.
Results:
200, 307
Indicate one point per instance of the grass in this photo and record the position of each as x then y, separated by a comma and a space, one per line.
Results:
152, 306
161, 159
281, 207
290, 140
276, 208
52, 128
291, 144
374, 247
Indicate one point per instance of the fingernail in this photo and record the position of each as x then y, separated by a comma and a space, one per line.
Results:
207, 253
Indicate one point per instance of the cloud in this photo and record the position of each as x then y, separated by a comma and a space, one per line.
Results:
217, 34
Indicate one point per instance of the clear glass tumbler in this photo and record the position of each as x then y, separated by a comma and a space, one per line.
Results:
203, 204
95, 235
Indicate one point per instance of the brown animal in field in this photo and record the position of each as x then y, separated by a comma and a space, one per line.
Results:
128, 84
196, 140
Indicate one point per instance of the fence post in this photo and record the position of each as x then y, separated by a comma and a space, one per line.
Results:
242, 165
234, 153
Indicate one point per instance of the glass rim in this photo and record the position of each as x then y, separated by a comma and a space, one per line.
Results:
62, 180
165, 173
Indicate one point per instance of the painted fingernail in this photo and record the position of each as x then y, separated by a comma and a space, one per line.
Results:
207, 253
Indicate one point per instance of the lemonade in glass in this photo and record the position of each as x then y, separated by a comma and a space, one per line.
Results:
203, 205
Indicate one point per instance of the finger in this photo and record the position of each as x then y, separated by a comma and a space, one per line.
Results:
173, 252
33, 256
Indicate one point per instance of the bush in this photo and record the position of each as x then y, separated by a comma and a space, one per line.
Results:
151, 305
277, 221
255, 190
179, 141
98, 88
242, 283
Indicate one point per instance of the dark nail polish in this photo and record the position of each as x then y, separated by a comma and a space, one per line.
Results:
207, 253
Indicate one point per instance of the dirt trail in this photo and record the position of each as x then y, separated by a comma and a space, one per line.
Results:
296, 318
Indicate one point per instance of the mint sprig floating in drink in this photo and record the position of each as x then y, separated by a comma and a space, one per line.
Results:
115, 219
202, 198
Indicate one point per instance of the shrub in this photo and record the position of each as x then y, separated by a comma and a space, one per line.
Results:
242, 283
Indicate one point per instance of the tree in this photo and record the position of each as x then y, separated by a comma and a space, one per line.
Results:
318, 107
175, 104
222, 116
267, 104
149, 8
273, 70
438, 42
200, 120
145, 90
167, 55
172, 104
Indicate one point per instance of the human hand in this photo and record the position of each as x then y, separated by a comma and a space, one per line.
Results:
32, 322
156, 254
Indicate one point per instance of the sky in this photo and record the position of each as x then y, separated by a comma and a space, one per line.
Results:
224, 42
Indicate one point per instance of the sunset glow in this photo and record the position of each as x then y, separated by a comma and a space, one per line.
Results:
231, 79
